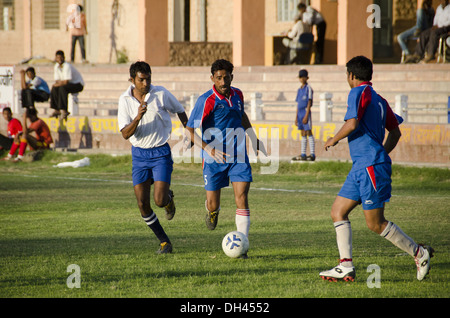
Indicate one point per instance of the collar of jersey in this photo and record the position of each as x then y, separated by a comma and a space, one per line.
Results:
365, 83
221, 97
146, 96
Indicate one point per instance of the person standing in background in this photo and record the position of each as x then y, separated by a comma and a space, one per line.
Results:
77, 25
313, 17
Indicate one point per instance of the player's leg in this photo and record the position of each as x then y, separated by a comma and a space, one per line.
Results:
142, 192
339, 214
312, 145
212, 205
393, 233
32, 142
163, 197
142, 180
162, 168
378, 191
303, 145
347, 199
215, 178
241, 190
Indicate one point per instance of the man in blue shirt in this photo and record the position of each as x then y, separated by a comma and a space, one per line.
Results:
220, 115
33, 90
369, 181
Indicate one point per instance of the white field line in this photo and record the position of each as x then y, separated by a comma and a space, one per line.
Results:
174, 183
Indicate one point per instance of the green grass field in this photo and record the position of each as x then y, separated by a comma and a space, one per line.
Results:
53, 217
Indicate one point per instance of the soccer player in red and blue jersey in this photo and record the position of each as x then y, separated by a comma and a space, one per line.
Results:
220, 115
369, 181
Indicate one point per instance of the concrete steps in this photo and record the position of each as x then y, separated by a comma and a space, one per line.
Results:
427, 87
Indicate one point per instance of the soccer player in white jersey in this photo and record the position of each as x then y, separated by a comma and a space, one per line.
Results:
144, 120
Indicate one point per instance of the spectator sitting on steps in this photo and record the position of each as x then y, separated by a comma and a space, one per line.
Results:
67, 80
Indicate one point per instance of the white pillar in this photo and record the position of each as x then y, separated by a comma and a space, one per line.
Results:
326, 106
192, 100
72, 104
401, 106
256, 106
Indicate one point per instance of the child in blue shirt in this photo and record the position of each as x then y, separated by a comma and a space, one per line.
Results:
303, 118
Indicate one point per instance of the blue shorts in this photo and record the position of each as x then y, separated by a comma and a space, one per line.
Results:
152, 163
218, 175
370, 186
300, 124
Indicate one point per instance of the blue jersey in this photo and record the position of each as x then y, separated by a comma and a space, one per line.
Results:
304, 95
220, 120
39, 84
374, 115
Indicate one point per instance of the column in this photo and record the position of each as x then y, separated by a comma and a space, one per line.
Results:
248, 32
354, 36
153, 31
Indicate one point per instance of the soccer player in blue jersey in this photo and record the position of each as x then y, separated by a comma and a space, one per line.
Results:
303, 118
369, 181
220, 115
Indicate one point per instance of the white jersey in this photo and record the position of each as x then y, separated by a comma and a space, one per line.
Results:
67, 71
155, 127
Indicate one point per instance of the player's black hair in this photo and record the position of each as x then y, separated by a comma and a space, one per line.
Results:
141, 67
7, 109
60, 52
222, 65
361, 67
301, 6
31, 69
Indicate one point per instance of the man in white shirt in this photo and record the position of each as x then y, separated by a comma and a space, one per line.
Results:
292, 40
429, 39
313, 17
144, 120
67, 80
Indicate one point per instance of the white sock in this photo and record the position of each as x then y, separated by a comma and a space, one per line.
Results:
395, 235
312, 145
303, 145
344, 242
243, 221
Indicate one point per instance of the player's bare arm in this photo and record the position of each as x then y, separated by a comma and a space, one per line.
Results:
251, 133
349, 126
130, 129
183, 118
392, 139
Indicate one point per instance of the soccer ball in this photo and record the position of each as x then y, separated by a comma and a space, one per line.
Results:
235, 244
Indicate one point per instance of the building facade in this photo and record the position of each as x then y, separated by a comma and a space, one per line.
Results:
192, 32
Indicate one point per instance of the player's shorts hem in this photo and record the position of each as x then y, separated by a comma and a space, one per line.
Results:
154, 164
371, 190
216, 179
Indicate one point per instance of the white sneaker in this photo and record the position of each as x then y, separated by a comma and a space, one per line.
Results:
423, 263
339, 273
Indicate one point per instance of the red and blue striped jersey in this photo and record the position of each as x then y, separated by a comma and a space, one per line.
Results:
374, 116
220, 120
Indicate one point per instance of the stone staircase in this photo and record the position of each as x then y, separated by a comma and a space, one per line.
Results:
427, 87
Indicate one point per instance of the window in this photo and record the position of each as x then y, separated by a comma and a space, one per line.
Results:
51, 14
7, 21
287, 10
